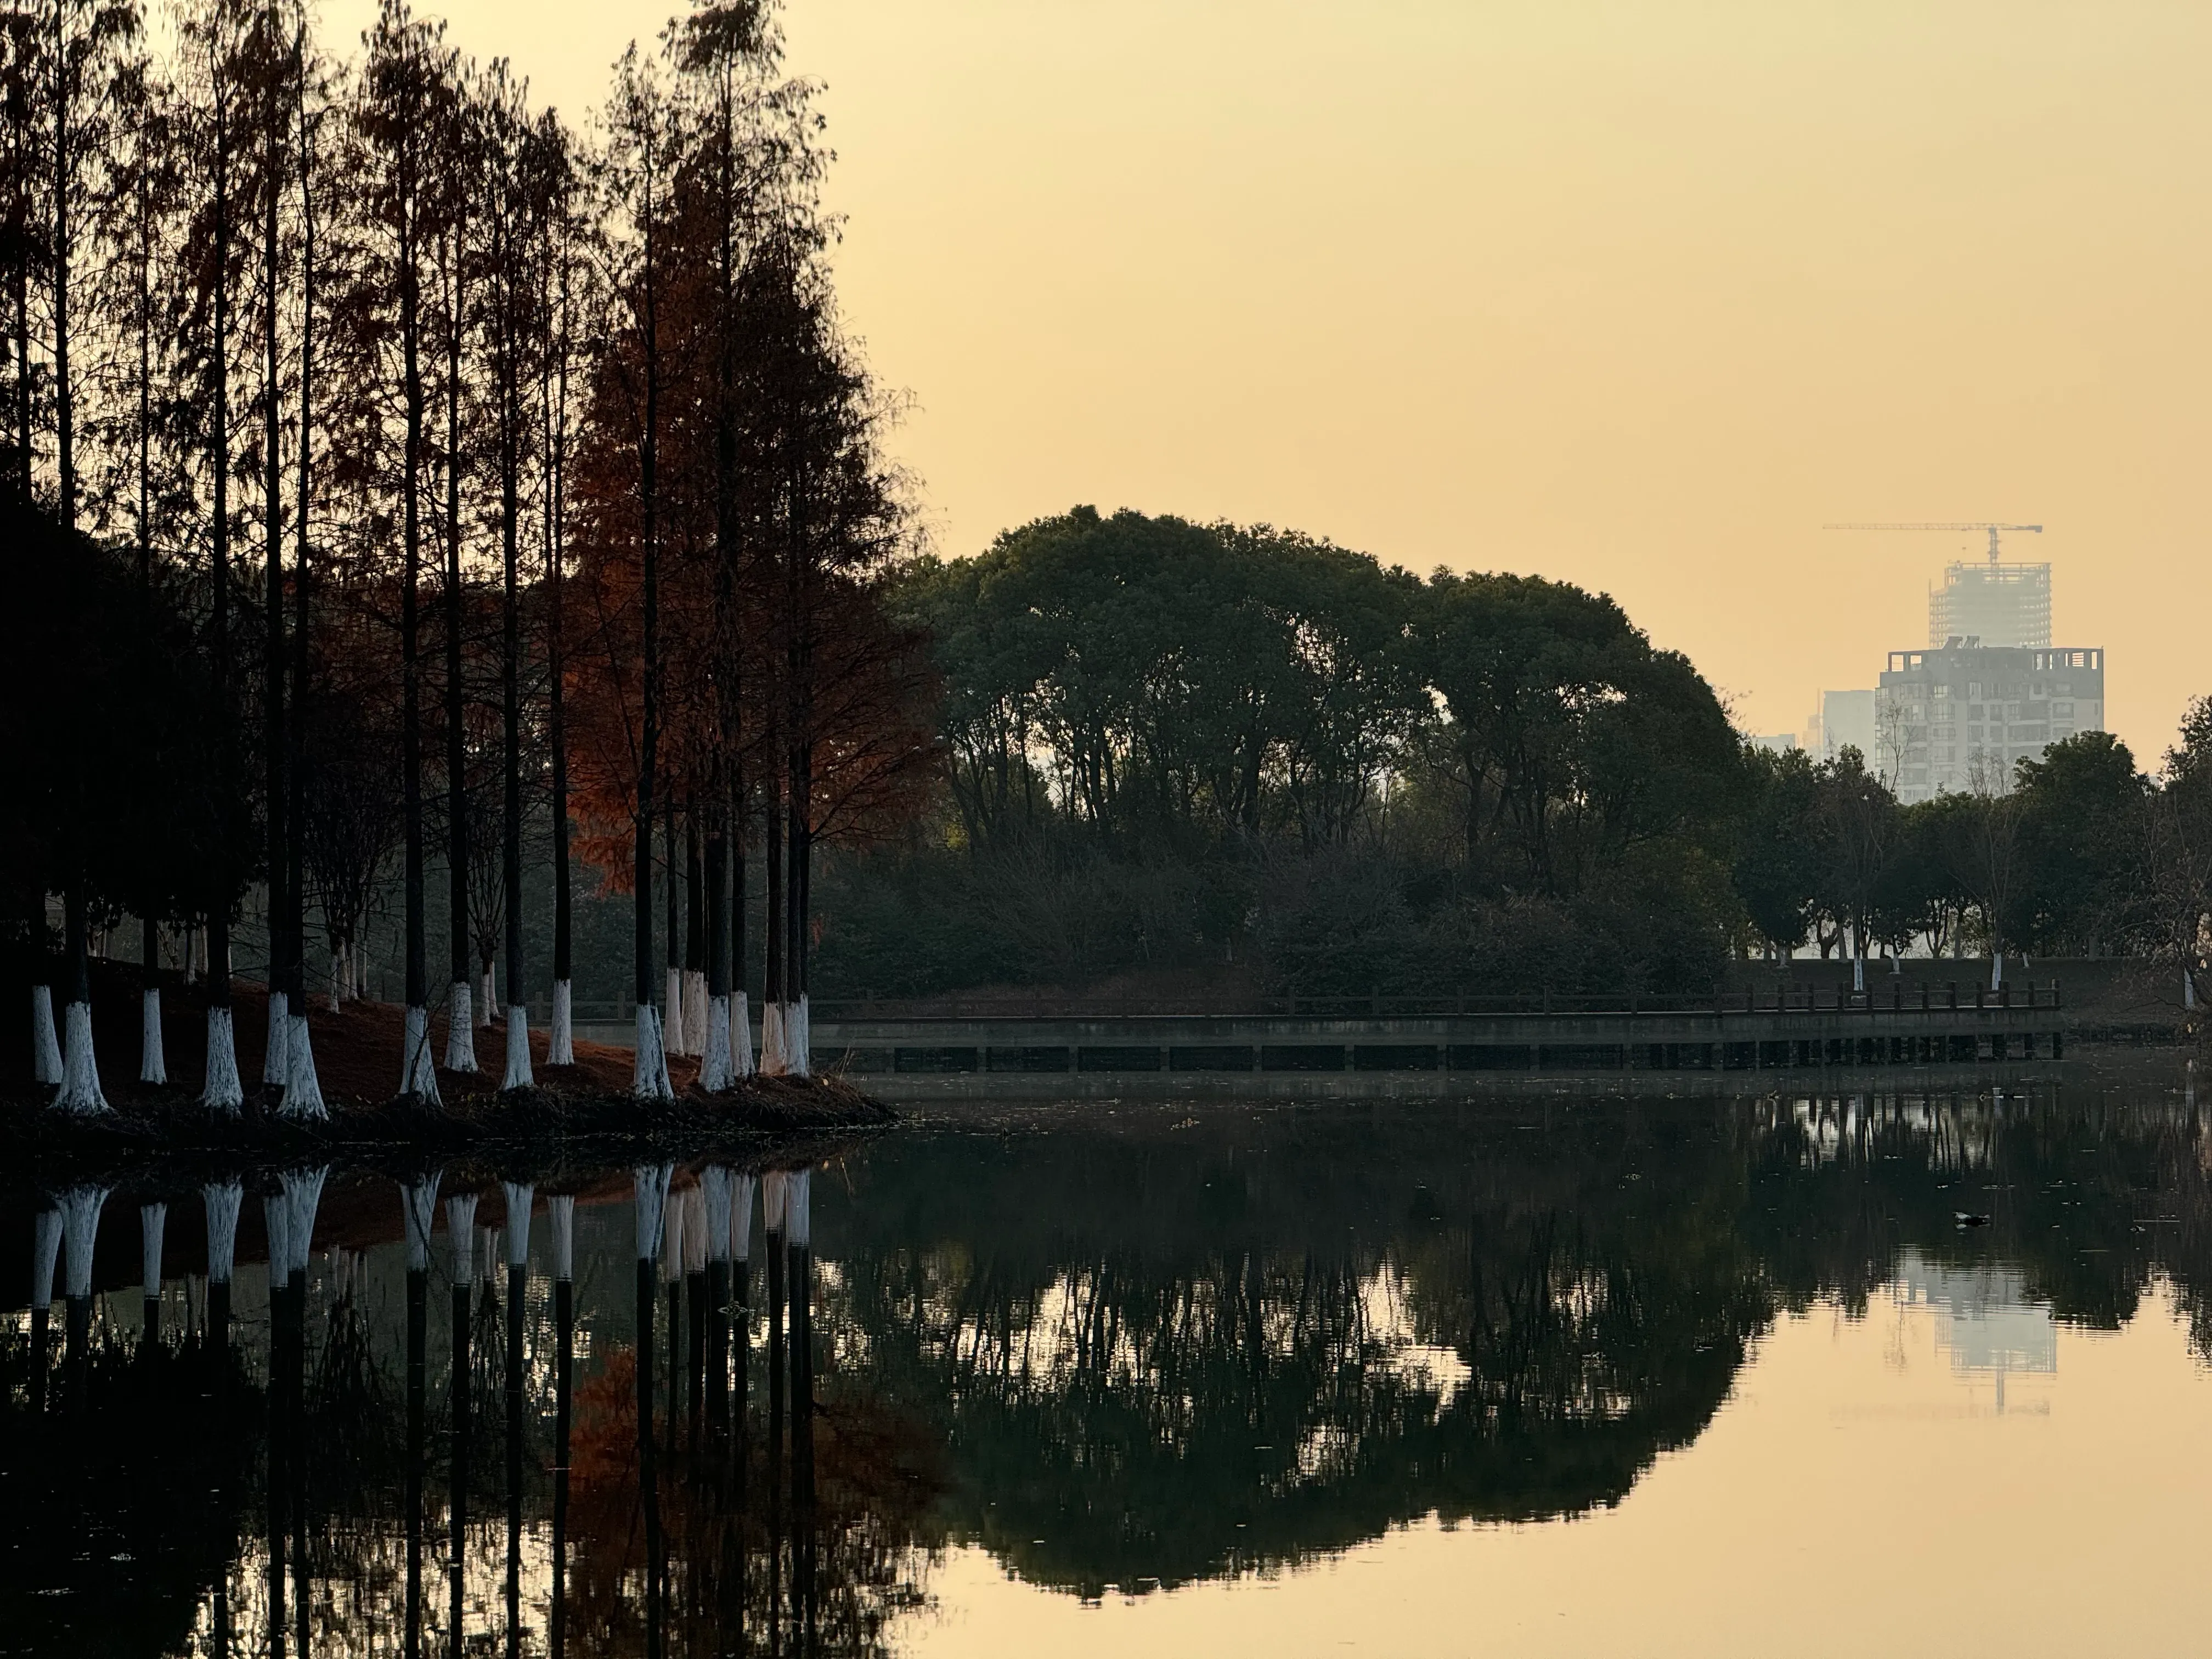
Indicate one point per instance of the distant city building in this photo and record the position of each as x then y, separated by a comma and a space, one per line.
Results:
1995, 603
1846, 722
1958, 718
1778, 743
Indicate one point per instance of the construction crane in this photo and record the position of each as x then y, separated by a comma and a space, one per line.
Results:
2032, 529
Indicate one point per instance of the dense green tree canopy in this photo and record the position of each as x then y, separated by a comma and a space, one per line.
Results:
1162, 739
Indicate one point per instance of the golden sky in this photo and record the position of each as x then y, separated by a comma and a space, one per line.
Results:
1637, 296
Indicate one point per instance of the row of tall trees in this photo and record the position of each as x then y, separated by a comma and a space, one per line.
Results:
474, 472
2076, 854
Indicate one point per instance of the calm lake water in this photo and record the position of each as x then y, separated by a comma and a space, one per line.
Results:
1517, 1374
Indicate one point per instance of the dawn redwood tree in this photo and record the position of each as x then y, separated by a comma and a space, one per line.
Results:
725, 51
268, 66
405, 80
559, 271
512, 300
85, 57
639, 119
302, 1087
216, 92
455, 155
140, 226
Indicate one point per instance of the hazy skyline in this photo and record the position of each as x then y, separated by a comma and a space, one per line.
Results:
1637, 297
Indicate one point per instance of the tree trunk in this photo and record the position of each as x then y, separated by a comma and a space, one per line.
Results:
717, 1066
677, 1039
274, 1070
560, 1051
303, 1091
418, 1077
223, 1092
649, 1078
518, 1073
695, 1034
460, 1024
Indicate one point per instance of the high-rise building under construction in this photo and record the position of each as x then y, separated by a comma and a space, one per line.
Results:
1992, 604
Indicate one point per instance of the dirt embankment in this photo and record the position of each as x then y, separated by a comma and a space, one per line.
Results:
357, 1055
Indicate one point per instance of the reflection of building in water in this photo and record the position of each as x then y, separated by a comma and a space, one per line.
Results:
1985, 1321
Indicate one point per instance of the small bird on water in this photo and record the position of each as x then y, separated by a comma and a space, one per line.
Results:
1965, 1220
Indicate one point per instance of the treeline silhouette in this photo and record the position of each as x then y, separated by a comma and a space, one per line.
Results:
407, 485
1158, 1357
1136, 1357
1211, 748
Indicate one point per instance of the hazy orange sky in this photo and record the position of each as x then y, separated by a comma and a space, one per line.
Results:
1637, 296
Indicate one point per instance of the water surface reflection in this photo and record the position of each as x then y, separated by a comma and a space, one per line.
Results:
718, 1409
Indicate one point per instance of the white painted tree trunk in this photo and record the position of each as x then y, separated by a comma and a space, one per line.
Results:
772, 1061
741, 1216
518, 1048
561, 1048
2188, 987
80, 1091
649, 1075
520, 1196
341, 974
153, 1063
303, 1089
46, 1252
1858, 972
798, 1039
490, 999
716, 1070
672, 1034
672, 1238
153, 1223
302, 1196
651, 1187
274, 1068
418, 1211
461, 1237
741, 1037
223, 1092
696, 1033
693, 1208
460, 1030
561, 1210
773, 1190
46, 1048
417, 1076
715, 1183
80, 1207
276, 1222
223, 1200
1996, 970
798, 1210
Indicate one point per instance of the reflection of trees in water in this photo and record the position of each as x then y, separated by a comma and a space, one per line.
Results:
2094, 1194
733, 1555
1114, 1360
1152, 1367
356, 1446
126, 1497
1155, 1359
